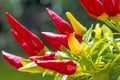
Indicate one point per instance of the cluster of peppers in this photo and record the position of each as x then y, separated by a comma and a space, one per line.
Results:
79, 54
105, 10
69, 38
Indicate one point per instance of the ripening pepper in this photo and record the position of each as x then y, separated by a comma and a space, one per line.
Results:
22, 43
74, 44
62, 26
30, 38
93, 7
78, 37
45, 56
67, 67
77, 26
13, 59
55, 40
111, 7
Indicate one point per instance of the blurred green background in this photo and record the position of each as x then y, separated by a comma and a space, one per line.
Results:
31, 13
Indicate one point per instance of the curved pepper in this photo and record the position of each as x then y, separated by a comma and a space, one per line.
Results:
67, 67
45, 56
78, 37
13, 59
62, 26
111, 7
31, 39
23, 44
55, 40
74, 44
93, 7
77, 26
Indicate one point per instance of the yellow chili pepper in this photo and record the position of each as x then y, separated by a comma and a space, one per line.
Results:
77, 26
74, 44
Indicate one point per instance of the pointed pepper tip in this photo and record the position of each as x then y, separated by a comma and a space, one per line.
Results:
68, 13
8, 14
4, 53
48, 10
70, 16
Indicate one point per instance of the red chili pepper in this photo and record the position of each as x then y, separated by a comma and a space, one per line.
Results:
62, 26
111, 7
67, 67
31, 39
13, 59
93, 7
78, 37
55, 40
23, 43
45, 56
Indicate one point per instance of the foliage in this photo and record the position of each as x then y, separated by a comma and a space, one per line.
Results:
79, 54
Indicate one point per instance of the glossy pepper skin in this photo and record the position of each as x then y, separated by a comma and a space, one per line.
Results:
55, 40
13, 59
67, 67
74, 44
22, 43
77, 26
111, 7
62, 26
93, 7
29, 38
45, 56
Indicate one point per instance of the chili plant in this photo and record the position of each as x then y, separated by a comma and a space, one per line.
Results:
79, 54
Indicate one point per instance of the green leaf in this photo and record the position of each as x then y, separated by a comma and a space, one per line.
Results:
61, 55
115, 44
25, 61
45, 49
70, 54
97, 45
109, 57
58, 76
107, 31
31, 68
104, 48
64, 77
115, 73
87, 36
103, 74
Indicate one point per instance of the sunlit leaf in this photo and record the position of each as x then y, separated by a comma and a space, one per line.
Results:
107, 31
31, 68
25, 61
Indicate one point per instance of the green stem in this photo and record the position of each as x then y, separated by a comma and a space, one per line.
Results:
100, 53
112, 63
109, 23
